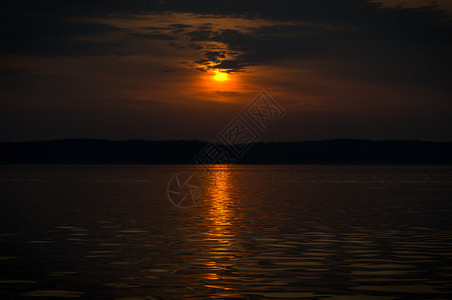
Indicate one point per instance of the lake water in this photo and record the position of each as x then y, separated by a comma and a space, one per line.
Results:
316, 232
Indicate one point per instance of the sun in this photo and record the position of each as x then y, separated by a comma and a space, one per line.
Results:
220, 85
220, 76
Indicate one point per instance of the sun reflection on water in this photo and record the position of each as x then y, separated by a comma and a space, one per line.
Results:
220, 232
218, 188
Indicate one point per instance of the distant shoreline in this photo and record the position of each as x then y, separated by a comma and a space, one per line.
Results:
327, 152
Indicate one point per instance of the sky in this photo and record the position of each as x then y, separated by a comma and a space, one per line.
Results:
182, 70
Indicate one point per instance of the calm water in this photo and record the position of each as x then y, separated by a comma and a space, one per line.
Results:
317, 232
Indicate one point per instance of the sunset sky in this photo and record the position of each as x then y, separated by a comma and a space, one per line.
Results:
164, 70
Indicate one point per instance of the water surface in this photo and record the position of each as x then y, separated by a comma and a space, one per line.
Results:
316, 232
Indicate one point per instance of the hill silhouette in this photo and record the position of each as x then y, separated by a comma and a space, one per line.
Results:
339, 151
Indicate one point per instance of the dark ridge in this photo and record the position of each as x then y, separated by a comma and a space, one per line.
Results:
339, 151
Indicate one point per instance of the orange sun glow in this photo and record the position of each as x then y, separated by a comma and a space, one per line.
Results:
220, 76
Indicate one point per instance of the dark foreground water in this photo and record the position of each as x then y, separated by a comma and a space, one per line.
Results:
316, 232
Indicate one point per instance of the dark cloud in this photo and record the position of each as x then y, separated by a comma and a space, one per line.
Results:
154, 28
214, 55
325, 24
180, 26
48, 36
152, 36
199, 35
29, 27
230, 66
330, 11
386, 53
217, 60
266, 44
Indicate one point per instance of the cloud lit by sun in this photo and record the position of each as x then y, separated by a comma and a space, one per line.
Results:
220, 76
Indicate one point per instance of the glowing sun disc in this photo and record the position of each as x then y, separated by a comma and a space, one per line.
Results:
220, 76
